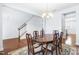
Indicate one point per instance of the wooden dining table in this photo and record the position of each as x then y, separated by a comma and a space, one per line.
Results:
48, 38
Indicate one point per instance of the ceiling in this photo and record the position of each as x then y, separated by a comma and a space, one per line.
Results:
39, 8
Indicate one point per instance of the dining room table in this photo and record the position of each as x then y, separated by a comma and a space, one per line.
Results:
48, 38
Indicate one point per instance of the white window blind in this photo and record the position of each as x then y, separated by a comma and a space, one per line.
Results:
70, 21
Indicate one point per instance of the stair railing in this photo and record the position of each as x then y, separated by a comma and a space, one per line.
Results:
20, 29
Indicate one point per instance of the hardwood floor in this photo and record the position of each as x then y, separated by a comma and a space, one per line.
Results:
13, 44
73, 37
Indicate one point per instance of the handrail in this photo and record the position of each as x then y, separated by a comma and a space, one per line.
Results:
21, 27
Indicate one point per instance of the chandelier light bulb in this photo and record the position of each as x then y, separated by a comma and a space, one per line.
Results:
43, 15
47, 15
50, 14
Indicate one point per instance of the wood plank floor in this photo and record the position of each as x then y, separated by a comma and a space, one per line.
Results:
13, 44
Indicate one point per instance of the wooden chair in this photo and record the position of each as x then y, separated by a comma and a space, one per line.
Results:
60, 42
52, 46
35, 35
57, 43
32, 48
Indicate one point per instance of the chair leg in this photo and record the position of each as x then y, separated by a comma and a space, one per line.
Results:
59, 50
28, 51
42, 49
52, 51
46, 49
43, 52
56, 51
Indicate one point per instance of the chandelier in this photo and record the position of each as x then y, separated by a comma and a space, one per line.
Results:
47, 14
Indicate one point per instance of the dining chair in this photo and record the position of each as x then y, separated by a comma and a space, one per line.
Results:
35, 34
32, 48
57, 43
60, 42
36, 37
55, 47
52, 46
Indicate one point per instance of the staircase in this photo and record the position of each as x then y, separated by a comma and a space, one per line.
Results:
21, 28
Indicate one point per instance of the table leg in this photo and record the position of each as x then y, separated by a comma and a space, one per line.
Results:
46, 49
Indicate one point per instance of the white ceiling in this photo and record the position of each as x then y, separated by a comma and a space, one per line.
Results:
39, 8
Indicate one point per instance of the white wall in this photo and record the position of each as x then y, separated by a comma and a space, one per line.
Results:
12, 19
77, 27
34, 24
53, 23
1, 41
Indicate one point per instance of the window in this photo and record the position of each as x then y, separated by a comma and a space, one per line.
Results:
70, 22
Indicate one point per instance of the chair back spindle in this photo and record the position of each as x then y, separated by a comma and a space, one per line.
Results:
35, 34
